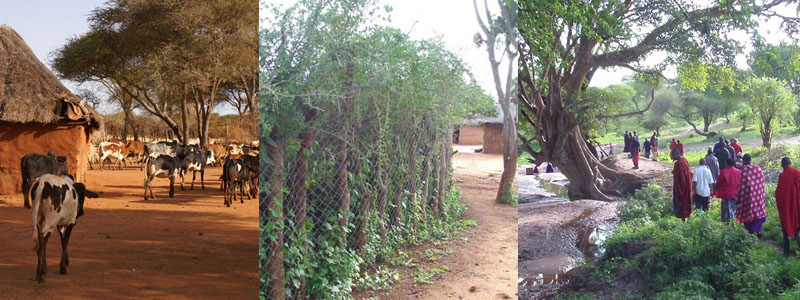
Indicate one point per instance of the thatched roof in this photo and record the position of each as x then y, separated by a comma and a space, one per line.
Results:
30, 92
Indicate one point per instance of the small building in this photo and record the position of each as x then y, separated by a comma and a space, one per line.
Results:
38, 114
487, 132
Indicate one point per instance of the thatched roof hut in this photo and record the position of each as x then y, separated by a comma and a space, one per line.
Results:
38, 113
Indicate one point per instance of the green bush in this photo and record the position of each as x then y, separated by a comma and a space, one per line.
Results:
647, 203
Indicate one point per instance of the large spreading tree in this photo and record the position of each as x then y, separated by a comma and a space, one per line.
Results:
564, 43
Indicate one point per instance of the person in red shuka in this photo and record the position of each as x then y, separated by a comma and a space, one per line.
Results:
681, 186
787, 198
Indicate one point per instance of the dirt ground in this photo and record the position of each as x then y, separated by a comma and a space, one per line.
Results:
485, 265
556, 237
187, 247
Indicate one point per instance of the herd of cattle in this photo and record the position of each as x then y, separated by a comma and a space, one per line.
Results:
57, 201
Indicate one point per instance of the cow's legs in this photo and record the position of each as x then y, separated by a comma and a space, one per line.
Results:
194, 175
43, 251
172, 185
241, 191
39, 256
182, 171
202, 182
25, 191
64, 241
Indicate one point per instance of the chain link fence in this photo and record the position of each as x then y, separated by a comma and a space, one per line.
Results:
343, 187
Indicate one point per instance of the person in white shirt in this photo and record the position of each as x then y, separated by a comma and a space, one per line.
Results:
703, 181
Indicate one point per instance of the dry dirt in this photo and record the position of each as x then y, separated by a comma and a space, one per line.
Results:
187, 247
485, 265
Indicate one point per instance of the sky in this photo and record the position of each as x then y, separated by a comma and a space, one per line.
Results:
453, 21
46, 25
769, 30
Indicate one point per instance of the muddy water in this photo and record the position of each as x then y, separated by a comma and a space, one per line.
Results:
557, 235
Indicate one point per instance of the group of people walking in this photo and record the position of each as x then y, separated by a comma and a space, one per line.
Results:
632, 146
728, 174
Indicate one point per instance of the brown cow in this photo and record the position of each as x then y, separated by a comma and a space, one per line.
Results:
219, 153
135, 149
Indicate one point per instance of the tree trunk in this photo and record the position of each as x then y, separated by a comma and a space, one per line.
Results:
506, 190
412, 183
382, 197
274, 215
342, 186
744, 125
184, 116
766, 133
426, 178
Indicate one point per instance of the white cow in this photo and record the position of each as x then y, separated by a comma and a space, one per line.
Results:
57, 204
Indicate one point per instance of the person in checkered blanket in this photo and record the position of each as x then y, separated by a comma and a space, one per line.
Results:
751, 209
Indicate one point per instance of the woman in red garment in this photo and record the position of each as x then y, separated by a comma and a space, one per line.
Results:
681, 186
787, 198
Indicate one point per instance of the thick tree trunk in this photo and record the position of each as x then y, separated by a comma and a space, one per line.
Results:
184, 117
274, 215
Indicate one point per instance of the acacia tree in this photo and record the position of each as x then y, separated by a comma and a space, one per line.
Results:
500, 33
780, 61
771, 101
565, 42
163, 54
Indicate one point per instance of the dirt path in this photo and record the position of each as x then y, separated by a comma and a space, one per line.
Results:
485, 265
187, 247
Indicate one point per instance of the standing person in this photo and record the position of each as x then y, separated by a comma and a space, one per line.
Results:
731, 151
635, 152
681, 187
627, 147
654, 146
727, 188
672, 145
752, 209
738, 162
610, 149
787, 198
703, 181
719, 144
646, 148
680, 147
736, 147
722, 155
711, 162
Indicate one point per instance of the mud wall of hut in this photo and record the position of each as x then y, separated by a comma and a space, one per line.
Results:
16, 140
470, 135
493, 138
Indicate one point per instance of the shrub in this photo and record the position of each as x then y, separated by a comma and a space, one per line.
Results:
648, 203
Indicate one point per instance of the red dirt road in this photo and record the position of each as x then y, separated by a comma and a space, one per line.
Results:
187, 247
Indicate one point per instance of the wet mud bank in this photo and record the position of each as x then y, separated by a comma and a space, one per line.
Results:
557, 235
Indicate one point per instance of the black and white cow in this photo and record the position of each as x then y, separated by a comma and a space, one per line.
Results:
234, 173
163, 166
251, 162
57, 204
34, 165
194, 162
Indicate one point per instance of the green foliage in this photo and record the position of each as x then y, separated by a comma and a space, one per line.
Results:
698, 259
771, 101
647, 203
425, 275
381, 279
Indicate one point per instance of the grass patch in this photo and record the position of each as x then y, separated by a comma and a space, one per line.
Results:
425, 275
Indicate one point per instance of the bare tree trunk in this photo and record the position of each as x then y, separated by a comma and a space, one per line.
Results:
274, 214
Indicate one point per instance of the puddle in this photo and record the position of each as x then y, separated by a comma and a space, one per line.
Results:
542, 279
591, 241
542, 188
